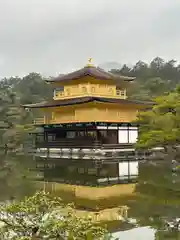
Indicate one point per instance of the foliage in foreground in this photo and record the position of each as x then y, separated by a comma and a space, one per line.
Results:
45, 217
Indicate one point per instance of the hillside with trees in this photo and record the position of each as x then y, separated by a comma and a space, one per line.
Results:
154, 79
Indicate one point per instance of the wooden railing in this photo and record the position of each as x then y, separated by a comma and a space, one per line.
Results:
118, 94
40, 121
69, 143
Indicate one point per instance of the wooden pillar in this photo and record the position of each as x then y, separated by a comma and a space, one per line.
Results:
118, 171
117, 139
97, 133
44, 135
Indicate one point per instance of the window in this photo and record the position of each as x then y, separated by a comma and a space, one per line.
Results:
93, 89
84, 89
112, 136
110, 90
71, 134
59, 91
127, 134
133, 135
120, 92
68, 91
50, 138
103, 133
123, 135
91, 133
81, 134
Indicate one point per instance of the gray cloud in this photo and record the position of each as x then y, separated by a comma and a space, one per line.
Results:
52, 36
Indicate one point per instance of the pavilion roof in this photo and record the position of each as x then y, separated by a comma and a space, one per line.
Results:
90, 70
81, 100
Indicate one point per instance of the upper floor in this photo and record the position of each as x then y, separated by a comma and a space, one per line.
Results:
90, 81
89, 87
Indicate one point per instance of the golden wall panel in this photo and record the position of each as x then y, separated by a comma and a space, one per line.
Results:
91, 112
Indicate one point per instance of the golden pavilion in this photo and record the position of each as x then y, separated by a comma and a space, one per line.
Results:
88, 130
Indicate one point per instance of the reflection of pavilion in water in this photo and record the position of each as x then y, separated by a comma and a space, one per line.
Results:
88, 134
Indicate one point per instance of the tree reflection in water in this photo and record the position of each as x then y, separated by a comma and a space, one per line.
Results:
16, 176
157, 203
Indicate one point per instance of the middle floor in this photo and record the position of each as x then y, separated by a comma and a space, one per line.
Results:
90, 112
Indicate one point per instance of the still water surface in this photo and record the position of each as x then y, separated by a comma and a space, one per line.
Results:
157, 200
141, 233
157, 204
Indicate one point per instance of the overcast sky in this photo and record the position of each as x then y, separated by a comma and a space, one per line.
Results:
56, 36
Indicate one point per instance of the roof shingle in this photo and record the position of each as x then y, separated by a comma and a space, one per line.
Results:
92, 71
81, 100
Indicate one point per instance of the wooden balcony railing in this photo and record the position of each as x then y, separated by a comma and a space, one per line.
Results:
78, 142
40, 121
117, 94
68, 144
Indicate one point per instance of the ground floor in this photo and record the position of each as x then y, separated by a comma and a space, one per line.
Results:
81, 134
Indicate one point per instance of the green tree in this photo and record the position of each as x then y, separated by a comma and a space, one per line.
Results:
32, 88
156, 66
165, 74
157, 190
161, 125
14, 169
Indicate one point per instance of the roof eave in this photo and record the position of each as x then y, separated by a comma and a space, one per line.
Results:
83, 100
122, 78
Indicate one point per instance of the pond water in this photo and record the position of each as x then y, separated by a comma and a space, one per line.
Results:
157, 201
157, 204
140, 233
